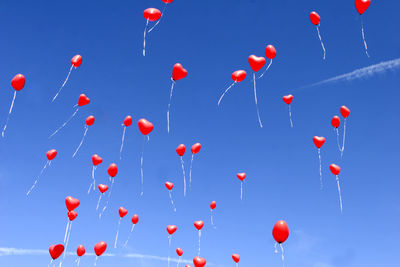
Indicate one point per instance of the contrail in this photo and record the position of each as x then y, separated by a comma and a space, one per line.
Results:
360, 73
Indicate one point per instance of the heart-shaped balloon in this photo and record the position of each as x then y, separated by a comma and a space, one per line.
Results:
239, 76
56, 251
18, 82
76, 61
345, 111
319, 141
112, 170
152, 14
103, 188
167, 1
335, 121
96, 159
196, 148
80, 251
128, 121
171, 229
72, 215
145, 127
122, 212
315, 18
362, 5
198, 224
51, 154
90, 120
83, 100
199, 262
270, 52
256, 63
213, 205
179, 252
100, 248
241, 176
180, 150
178, 72
335, 169
169, 185
280, 232
71, 203
236, 257
135, 219
287, 99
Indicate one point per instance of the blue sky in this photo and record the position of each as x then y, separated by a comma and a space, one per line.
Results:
211, 39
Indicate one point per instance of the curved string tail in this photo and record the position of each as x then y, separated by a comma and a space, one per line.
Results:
83, 138
265, 71
179, 261
37, 179
338, 142
144, 38
116, 236
122, 143
241, 190
283, 254
344, 138
320, 167
198, 254
98, 202
93, 180
65, 82
340, 194
169, 103
129, 237
190, 172
9, 113
322, 43
363, 36
64, 124
255, 99
78, 261
184, 177
172, 201
158, 21
226, 91
290, 116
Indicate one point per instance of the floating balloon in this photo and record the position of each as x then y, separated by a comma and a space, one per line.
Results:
179, 252
199, 262
180, 150
315, 19
280, 232
178, 73
80, 251
96, 160
288, 100
145, 127
213, 205
345, 111
71, 204
135, 220
256, 63
236, 258
83, 100
270, 53
237, 77
241, 177
319, 141
99, 249
151, 15
171, 229
76, 61
127, 123
169, 186
89, 122
362, 6
102, 188
112, 172
55, 252
194, 149
17, 83
335, 169
199, 225
336, 123
122, 213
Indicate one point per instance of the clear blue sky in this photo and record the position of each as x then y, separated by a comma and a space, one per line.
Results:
211, 39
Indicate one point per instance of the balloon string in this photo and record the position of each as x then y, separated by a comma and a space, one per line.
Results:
66, 232
320, 167
265, 71
129, 237
50, 263
93, 180
66, 243
283, 255
169, 103
9, 113
80, 144
162, 14
241, 190
98, 202
122, 143
144, 38
172, 201
190, 172
198, 254
340, 194
141, 168
78, 261
65, 123
226, 91
363, 36
62, 86
211, 217
322, 43
37, 179
116, 237
184, 177
255, 99
108, 199
344, 138
179, 261
95, 261
275, 248
169, 247
290, 116
338, 142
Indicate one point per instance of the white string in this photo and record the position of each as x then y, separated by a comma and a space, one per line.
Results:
37, 179
255, 99
116, 237
265, 71
67, 241
199, 243
290, 116
169, 103
190, 172
283, 255
144, 38
98, 202
129, 237
66, 232
65, 123
9, 113
322, 44
226, 91
320, 167
179, 261
162, 14
172, 201
337, 137
169, 246
141, 167
62, 86
50, 263
241, 190
344, 138
340, 194
122, 143
78, 261
93, 180
211, 217
95, 261
363, 36
83, 138
184, 177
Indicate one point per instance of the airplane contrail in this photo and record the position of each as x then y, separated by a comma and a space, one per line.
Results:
360, 73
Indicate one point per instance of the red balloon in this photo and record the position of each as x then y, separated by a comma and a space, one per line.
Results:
241, 176
90, 120
100, 248
71, 203
239, 76
315, 18
112, 170
96, 159
18, 82
319, 141
51, 154
362, 5
122, 212
287, 99
180, 150
198, 224
213, 205
345, 111
128, 121
169, 185
103, 188
256, 63
80, 251
270, 52
152, 14
178, 72
280, 232
72, 215
145, 127
76, 61
167, 1
171, 229
335, 121
236, 257
83, 100
335, 169
179, 252
199, 262
56, 251
135, 219
196, 148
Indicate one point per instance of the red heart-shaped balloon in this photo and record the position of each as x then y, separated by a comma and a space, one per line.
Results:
56, 251
213, 205
72, 215
179, 252
239, 76
315, 18
319, 141
241, 176
135, 219
71, 203
83, 100
96, 159
198, 224
362, 5
112, 170
100, 248
345, 111
18, 82
51, 154
122, 212
178, 72
236, 257
90, 120
287, 99
145, 127
152, 14
171, 229
196, 148
256, 63
270, 52
199, 262
76, 61
80, 251
280, 232
180, 150
335, 121
335, 169
103, 188
128, 121
167, 1
169, 185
